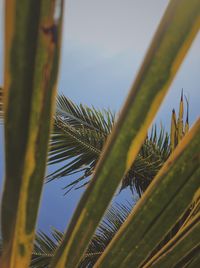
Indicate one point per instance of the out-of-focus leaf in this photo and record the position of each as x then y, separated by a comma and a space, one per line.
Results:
32, 41
45, 246
169, 195
195, 261
175, 34
175, 252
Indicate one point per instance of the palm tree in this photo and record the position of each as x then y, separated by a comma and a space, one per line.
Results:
78, 139
82, 131
45, 246
146, 238
79, 136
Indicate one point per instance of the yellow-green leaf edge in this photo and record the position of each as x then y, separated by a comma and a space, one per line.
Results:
32, 42
166, 199
173, 38
180, 247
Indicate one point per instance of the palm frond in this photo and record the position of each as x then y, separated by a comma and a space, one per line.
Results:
80, 133
81, 115
45, 246
154, 152
78, 138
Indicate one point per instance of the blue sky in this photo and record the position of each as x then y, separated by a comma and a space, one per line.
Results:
104, 43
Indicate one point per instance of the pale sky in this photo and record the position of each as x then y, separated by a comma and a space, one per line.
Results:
104, 42
112, 26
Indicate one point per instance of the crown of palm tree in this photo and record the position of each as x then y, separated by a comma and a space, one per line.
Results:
80, 134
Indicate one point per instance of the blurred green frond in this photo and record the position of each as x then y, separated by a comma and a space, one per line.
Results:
186, 217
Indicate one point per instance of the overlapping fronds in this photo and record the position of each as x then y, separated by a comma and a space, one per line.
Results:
180, 175
32, 42
154, 152
181, 249
80, 133
175, 34
78, 138
45, 245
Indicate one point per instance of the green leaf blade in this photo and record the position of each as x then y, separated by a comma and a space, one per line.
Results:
175, 251
172, 40
169, 195
31, 65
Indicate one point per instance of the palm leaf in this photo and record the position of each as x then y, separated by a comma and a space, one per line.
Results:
81, 115
153, 153
46, 246
158, 210
178, 129
79, 134
175, 252
176, 32
32, 42
78, 138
